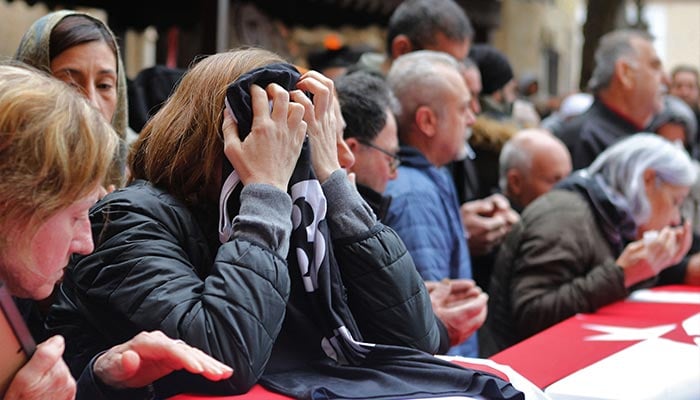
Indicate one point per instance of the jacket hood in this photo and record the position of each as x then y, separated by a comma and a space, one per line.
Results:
611, 209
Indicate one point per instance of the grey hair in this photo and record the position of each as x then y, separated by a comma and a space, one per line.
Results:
513, 155
415, 81
622, 167
676, 111
612, 47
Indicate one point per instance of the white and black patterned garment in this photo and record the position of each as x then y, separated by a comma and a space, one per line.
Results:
318, 353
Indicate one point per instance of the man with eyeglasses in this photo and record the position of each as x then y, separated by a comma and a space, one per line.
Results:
368, 108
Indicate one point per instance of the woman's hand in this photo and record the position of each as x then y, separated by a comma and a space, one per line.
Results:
645, 258
324, 119
45, 376
270, 152
152, 355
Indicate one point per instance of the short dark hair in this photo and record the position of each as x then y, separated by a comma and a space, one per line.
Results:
78, 29
422, 20
686, 68
364, 100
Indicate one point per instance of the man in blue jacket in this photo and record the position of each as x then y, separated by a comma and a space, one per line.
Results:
432, 123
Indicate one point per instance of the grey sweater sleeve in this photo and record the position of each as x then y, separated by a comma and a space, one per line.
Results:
265, 217
348, 214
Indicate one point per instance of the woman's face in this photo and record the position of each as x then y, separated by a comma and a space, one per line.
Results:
665, 201
92, 69
33, 273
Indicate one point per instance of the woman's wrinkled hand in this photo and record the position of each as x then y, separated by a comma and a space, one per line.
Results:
270, 152
45, 376
646, 258
324, 119
150, 356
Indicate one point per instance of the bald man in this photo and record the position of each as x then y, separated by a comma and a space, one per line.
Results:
530, 164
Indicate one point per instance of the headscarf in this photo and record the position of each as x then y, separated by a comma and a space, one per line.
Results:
34, 50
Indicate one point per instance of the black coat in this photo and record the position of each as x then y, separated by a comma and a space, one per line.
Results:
588, 134
155, 268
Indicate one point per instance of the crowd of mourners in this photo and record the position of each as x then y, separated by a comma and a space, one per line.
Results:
326, 231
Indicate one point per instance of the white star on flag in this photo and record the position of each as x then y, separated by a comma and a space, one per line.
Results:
623, 333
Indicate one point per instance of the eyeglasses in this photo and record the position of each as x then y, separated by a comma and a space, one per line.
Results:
395, 161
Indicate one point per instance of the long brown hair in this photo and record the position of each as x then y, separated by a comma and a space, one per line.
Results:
181, 147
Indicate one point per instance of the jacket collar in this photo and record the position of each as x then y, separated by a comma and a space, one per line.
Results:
412, 157
611, 209
378, 202
616, 115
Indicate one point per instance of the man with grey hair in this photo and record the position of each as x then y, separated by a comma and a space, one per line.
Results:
627, 84
530, 164
440, 25
433, 122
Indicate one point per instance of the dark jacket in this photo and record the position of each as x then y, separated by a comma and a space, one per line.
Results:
377, 201
158, 265
380, 205
559, 260
588, 134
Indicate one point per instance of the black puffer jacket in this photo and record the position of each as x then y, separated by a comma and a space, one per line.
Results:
155, 268
158, 265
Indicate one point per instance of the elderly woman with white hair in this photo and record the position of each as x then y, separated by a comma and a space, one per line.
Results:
597, 235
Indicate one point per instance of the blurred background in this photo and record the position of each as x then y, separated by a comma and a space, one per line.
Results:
548, 41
